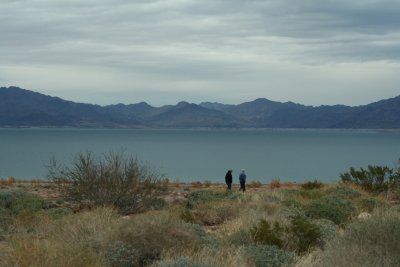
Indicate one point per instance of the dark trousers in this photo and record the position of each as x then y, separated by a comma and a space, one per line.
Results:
242, 186
229, 186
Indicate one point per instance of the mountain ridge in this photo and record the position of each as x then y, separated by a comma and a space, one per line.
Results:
25, 108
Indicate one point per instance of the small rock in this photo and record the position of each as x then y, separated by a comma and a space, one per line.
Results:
125, 217
364, 216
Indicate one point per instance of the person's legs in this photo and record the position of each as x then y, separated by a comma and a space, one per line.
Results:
242, 186
229, 186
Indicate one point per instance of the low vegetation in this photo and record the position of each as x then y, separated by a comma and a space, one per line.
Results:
374, 179
116, 180
205, 227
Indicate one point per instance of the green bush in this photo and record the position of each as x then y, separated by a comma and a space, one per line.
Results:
240, 238
344, 192
293, 211
187, 216
329, 230
332, 208
303, 234
110, 180
122, 255
375, 179
368, 204
5, 200
206, 239
372, 242
268, 256
266, 234
17, 202
312, 185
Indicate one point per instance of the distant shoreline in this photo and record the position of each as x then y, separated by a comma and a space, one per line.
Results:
210, 128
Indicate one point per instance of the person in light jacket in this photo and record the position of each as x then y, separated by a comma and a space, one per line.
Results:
242, 180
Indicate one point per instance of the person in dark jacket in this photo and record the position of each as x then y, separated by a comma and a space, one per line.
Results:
228, 179
242, 180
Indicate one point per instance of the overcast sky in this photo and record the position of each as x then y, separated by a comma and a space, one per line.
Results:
125, 51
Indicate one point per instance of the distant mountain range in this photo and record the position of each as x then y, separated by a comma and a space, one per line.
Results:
24, 108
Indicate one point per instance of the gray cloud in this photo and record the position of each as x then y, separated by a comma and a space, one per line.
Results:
202, 50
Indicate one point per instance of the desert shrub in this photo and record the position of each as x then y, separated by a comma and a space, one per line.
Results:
206, 240
344, 192
375, 179
60, 212
372, 242
368, 204
332, 208
329, 230
312, 185
11, 180
303, 234
255, 184
292, 211
241, 237
151, 233
122, 255
266, 234
201, 196
59, 201
275, 183
5, 199
113, 179
18, 202
187, 216
268, 256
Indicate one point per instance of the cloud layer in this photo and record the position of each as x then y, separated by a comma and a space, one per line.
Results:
103, 51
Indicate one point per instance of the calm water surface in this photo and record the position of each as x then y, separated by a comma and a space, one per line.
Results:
198, 155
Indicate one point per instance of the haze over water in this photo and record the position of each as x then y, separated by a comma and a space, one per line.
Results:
199, 155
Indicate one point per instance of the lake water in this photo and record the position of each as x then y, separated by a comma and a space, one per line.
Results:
198, 155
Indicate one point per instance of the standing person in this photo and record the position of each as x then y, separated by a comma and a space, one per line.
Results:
242, 180
228, 179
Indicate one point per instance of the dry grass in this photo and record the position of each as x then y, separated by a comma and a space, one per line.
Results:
224, 257
371, 242
215, 213
30, 251
85, 238
69, 241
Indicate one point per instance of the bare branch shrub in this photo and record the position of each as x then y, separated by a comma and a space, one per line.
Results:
112, 179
